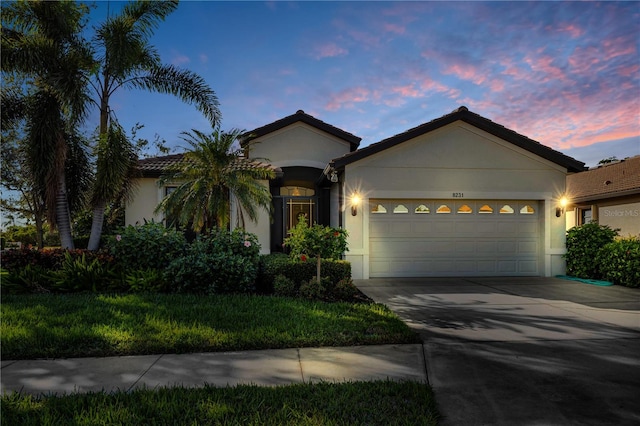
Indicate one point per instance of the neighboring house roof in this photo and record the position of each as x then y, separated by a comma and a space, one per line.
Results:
607, 181
463, 114
301, 116
154, 167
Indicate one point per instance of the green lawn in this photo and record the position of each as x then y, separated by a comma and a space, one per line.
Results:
77, 325
358, 403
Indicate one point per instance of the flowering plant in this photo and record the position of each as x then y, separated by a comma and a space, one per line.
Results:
321, 242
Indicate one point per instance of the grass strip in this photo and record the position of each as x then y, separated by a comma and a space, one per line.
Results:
79, 325
353, 403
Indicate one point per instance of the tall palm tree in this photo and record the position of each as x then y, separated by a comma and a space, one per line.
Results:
41, 40
208, 175
127, 60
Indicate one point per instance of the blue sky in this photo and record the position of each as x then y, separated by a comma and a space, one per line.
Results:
566, 74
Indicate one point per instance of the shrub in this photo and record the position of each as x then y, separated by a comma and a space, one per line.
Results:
313, 289
145, 281
344, 290
84, 273
51, 260
148, 246
583, 244
223, 262
619, 262
29, 279
283, 286
275, 264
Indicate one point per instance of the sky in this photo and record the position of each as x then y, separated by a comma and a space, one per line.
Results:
566, 74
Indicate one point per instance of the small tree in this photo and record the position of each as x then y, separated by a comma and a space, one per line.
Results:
317, 241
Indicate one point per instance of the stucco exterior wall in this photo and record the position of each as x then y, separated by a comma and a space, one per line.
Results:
261, 228
148, 195
625, 217
460, 159
298, 145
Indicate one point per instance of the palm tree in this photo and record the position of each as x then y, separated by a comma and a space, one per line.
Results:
207, 176
41, 40
127, 60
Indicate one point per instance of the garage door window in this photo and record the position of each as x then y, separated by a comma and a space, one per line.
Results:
400, 208
486, 209
527, 210
378, 208
422, 209
506, 209
443, 209
465, 209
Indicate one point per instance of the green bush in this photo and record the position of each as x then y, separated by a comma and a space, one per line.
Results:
583, 244
148, 246
29, 279
223, 262
313, 289
272, 265
145, 281
50, 260
344, 290
619, 262
83, 273
283, 286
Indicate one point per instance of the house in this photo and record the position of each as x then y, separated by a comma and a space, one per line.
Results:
458, 196
608, 194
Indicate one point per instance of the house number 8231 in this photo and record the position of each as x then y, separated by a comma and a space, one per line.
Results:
458, 195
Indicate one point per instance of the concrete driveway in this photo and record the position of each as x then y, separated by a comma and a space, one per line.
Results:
524, 351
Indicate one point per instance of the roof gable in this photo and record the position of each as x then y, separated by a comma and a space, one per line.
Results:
463, 114
301, 116
611, 180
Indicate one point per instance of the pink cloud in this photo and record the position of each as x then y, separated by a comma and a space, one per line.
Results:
328, 50
544, 66
617, 47
466, 72
631, 70
573, 30
347, 98
392, 28
407, 91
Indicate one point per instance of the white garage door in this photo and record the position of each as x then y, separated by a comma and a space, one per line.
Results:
421, 238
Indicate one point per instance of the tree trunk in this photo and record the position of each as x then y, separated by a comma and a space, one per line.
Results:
97, 221
63, 218
39, 231
318, 269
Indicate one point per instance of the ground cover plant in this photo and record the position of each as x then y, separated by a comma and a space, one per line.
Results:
358, 403
77, 325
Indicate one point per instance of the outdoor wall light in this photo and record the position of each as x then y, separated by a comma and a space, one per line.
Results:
560, 209
333, 177
355, 200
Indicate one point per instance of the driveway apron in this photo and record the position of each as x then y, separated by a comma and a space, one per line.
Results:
524, 351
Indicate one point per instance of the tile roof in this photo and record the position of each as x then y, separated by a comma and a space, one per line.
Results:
462, 113
301, 116
607, 181
155, 166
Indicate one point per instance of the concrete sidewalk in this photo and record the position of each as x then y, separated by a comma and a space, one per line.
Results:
266, 368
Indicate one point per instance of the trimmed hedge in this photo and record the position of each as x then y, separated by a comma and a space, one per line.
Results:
583, 244
619, 262
272, 265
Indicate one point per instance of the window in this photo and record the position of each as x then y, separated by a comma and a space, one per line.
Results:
506, 209
527, 210
585, 216
400, 208
486, 209
422, 209
296, 191
465, 209
378, 208
443, 209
